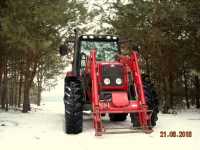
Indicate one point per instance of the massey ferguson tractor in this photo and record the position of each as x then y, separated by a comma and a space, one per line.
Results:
106, 82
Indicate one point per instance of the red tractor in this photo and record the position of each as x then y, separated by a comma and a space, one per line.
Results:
109, 83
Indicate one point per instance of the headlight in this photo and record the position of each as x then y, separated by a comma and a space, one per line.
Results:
118, 81
106, 81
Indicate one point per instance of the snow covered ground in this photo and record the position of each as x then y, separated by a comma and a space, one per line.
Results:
43, 128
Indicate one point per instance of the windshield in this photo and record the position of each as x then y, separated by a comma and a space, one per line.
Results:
106, 50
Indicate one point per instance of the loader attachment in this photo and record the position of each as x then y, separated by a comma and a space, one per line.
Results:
120, 102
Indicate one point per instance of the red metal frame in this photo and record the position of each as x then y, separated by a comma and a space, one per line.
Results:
102, 107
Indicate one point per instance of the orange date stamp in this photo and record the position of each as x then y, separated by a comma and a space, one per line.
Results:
178, 134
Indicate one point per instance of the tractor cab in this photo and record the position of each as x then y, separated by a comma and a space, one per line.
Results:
107, 47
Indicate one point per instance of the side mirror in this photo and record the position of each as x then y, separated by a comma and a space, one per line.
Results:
63, 49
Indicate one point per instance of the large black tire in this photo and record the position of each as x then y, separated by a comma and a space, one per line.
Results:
118, 117
73, 100
152, 102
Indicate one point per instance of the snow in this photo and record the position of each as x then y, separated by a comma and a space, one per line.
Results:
43, 128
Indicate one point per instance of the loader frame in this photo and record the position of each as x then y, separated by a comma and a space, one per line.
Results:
137, 106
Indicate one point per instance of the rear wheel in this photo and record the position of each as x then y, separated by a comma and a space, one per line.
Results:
73, 100
118, 117
152, 103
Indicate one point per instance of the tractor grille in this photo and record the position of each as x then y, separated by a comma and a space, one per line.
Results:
112, 72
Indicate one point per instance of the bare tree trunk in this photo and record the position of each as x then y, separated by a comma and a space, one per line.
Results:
1, 73
165, 89
165, 95
186, 89
39, 88
171, 91
16, 90
197, 93
4, 98
20, 83
4, 86
39, 85
26, 103
11, 92
27, 86
1, 76
39, 95
3, 95
31, 66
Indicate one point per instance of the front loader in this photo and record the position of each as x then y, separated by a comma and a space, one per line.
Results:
109, 83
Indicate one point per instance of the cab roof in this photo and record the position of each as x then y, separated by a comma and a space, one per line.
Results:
91, 37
